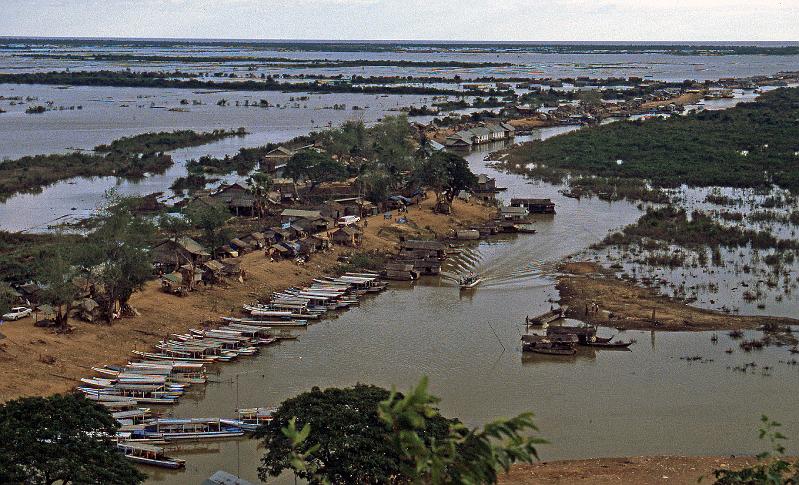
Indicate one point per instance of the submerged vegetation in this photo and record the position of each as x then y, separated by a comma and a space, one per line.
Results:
675, 226
751, 145
183, 81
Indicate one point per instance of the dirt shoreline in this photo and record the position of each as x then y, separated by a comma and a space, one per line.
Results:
640, 470
38, 362
624, 305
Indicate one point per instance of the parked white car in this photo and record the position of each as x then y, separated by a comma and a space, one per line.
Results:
17, 313
348, 220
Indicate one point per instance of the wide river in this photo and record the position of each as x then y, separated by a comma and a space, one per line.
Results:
603, 403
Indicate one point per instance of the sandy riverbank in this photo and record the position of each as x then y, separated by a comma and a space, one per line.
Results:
640, 470
623, 304
36, 361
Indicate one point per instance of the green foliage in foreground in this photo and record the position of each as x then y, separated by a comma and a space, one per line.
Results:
771, 469
60, 439
701, 149
367, 434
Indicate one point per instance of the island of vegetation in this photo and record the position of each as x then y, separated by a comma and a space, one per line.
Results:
130, 158
751, 145
180, 81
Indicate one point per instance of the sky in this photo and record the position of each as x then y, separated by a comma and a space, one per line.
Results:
480, 20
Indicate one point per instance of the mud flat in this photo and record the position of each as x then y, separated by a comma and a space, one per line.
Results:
624, 305
641, 470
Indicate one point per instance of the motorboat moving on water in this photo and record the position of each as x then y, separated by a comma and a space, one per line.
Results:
469, 281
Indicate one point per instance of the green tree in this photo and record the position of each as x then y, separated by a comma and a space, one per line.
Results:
174, 226
446, 173
7, 297
367, 434
316, 167
349, 139
392, 144
57, 276
211, 219
60, 439
117, 255
259, 184
351, 443
463, 455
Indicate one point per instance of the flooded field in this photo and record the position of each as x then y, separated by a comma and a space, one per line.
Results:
111, 113
520, 62
651, 400
745, 280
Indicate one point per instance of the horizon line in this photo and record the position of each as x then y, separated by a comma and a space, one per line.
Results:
403, 41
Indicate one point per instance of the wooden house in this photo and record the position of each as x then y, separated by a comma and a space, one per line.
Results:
333, 209
286, 188
511, 213
310, 245
256, 240
242, 247
348, 236
417, 249
400, 271
237, 197
534, 206
291, 215
214, 271
173, 253
276, 159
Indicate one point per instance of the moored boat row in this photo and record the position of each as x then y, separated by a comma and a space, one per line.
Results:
164, 374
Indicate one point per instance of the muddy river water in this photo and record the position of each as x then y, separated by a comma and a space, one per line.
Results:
599, 403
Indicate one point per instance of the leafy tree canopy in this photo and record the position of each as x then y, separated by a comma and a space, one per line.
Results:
61, 438
350, 442
117, 253
367, 434
211, 219
316, 167
446, 172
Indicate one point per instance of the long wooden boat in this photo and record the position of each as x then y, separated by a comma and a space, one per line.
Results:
610, 345
267, 323
189, 429
547, 317
524, 228
542, 344
168, 358
250, 419
136, 396
550, 350
149, 455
